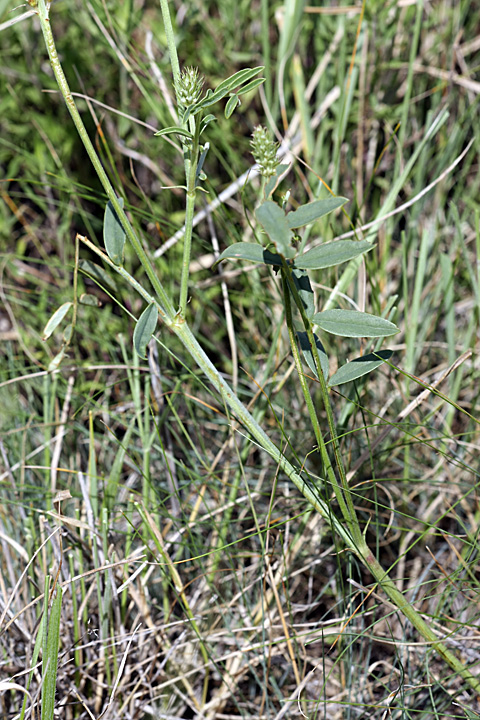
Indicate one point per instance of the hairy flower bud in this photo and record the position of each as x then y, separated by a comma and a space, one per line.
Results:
189, 87
264, 151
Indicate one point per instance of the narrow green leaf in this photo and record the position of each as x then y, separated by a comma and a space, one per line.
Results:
206, 121
359, 367
332, 253
174, 130
251, 86
92, 466
237, 79
313, 211
210, 98
54, 364
56, 319
232, 103
273, 220
304, 287
352, 323
67, 333
192, 110
251, 252
144, 329
97, 273
50, 658
113, 234
274, 181
199, 174
306, 349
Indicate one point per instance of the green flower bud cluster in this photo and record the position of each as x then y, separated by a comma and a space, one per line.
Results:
264, 151
189, 87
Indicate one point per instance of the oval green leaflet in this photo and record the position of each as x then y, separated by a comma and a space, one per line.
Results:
353, 323
113, 233
359, 367
56, 319
144, 329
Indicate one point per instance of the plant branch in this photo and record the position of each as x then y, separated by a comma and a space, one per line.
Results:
43, 14
309, 401
172, 48
191, 178
347, 493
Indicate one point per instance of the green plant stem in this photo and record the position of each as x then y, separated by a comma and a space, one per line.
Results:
191, 161
309, 402
172, 48
350, 512
398, 599
191, 175
43, 14
183, 332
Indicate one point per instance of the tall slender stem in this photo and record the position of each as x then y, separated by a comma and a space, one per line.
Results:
191, 161
347, 493
172, 48
43, 13
191, 175
309, 401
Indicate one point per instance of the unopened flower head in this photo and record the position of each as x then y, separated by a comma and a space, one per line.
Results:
264, 151
189, 87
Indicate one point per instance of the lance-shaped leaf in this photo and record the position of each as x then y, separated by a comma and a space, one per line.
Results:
238, 78
56, 319
144, 329
304, 287
199, 171
332, 253
273, 220
55, 363
307, 352
50, 656
307, 214
67, 333
232, 104
352, 323
114, 234
206, 121
251, 252
250, 86
175, 130
225, 87
359, 367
